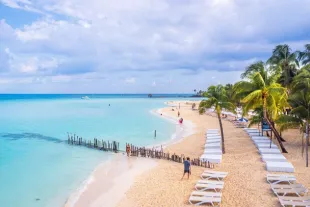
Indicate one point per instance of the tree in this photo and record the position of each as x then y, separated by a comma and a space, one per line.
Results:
301, 87
262, 91
218, 99
304, 56
283, 59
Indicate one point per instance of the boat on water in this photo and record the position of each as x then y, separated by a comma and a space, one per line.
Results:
84, 97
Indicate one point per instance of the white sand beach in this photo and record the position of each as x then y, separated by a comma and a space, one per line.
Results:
145, 182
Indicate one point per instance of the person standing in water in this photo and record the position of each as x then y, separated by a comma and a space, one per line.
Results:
187, 168
128, 149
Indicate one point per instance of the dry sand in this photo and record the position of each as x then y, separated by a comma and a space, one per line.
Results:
245, 185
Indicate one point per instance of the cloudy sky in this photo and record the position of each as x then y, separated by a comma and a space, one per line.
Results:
140, 46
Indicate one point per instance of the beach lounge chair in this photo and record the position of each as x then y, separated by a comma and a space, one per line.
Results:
211, 138
213, 145
215, 172
199, 200
213, 141
206, 194
211, 158
298, 191
206, 187
215, 182
273, 158
285, 203
210, 176
213, 135
280, 178
293, 198
279, 166
269, 151
266, 145
286, 186
212, 151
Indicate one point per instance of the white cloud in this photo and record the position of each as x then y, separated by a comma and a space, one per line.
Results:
154, 83
119, 37
130, 80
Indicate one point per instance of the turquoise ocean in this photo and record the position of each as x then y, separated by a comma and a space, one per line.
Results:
38, 168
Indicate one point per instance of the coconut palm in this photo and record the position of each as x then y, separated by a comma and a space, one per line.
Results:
262, 91
282, 58
217, 98
301, 85
304, 56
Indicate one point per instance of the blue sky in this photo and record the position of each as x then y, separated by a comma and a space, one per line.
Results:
140, 46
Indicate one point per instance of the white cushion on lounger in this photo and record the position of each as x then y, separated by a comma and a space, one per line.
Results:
211, 158
269, 151
273, 158
266, 145
279, 166
261, 141
212, 151
213, 145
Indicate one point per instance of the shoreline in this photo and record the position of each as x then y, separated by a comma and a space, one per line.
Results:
135, 166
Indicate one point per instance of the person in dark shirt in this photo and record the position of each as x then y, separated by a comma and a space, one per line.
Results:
187, 168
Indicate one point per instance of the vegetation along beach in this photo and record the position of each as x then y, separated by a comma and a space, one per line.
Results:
154, 103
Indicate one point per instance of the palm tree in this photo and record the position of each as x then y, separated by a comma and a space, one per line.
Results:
218, 99
262, 91
282, 58
301, 85
254, 68
305, 55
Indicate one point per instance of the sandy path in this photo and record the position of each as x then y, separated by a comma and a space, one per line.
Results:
245, 186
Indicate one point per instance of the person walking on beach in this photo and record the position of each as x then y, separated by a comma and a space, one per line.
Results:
178, 114
187, 168
128, 149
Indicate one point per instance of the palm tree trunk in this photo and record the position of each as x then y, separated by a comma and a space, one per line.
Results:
222, 133
276, 134
307, 145
302, 145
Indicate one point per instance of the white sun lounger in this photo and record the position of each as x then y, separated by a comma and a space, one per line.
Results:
293, 198
262, 142
280, 178
206, 194
254, 134
213, 135
286, 186
213, 141
213, 138
279, 166
213, 145
265, 145
215, 182
253, 131
206, 187
199, 200
260, 137
249, 128
211, 158
212, 131
273, 158
210, 176
292, 191
212, 151
285, 203
215, 172
265, 151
